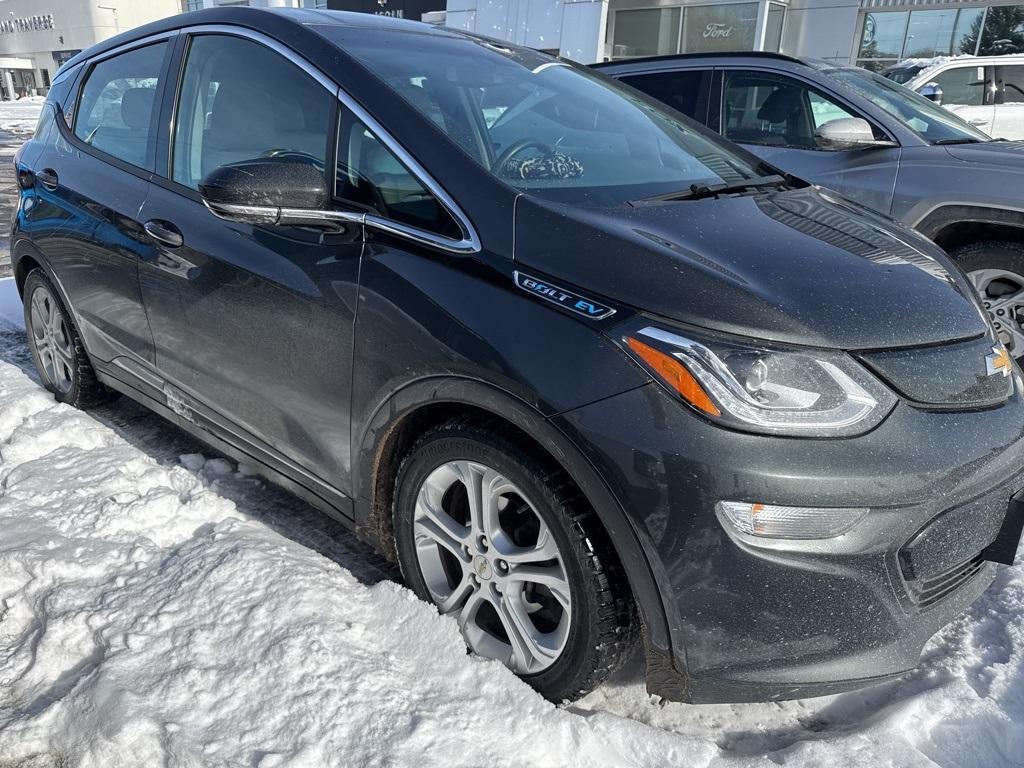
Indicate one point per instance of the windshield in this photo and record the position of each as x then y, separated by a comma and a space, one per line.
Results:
543, 126
930, 121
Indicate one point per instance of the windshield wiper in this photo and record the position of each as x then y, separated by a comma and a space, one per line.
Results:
965, 140
698, 191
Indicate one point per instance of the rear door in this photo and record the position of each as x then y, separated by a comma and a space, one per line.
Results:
778, 116
1009, 111
90, 183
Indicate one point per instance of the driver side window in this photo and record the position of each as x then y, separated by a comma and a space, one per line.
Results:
241, 101
372, 178
777, 111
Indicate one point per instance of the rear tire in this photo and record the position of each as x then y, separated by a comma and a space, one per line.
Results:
577, 620
57, 349
996, 269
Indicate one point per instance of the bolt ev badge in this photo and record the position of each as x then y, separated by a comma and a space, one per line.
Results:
571, 301
999, 361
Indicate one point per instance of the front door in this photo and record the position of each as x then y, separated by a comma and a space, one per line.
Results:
968, 92
778, 117
253, 323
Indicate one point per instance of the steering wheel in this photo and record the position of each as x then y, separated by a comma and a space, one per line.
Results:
293, 154
516, 147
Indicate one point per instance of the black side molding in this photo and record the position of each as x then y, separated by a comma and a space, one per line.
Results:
1004, 548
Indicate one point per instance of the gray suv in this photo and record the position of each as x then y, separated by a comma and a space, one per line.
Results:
875, 142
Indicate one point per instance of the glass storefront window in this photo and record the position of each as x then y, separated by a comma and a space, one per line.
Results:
773, 29
930, 33
891, 36
1004, 31
708, 28
968, 27
646, 32
883, 35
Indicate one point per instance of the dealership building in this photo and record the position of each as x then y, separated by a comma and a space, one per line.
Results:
37, 36
874, 33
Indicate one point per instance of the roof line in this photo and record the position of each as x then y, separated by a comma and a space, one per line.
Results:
690, 56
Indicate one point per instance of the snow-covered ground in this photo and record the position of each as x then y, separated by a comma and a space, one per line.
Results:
20, 116
160, 605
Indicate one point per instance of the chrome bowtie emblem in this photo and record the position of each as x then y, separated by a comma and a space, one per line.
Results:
999, 361
482, 567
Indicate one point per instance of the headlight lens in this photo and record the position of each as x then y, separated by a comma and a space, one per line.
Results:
766, 390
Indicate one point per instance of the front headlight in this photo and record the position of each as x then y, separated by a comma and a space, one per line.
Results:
809, 393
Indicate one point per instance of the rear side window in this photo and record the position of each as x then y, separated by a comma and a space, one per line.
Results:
685, 91
115, 112
242, 101
1013, 84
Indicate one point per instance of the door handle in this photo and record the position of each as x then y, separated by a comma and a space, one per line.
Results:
48, 178
164, 232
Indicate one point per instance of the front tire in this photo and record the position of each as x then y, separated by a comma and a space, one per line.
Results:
503, 541
57, 349
996, 269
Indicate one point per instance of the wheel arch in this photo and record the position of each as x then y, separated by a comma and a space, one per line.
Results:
417, 407
25, 258
954, 226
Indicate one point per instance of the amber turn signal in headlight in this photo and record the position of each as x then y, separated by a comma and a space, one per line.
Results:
757, 387
674, 373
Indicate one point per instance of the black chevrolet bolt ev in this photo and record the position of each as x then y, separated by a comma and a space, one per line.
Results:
589, 372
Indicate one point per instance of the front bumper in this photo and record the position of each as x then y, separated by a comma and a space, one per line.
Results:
756, 619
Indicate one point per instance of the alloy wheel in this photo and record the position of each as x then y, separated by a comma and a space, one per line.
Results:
52, 340
487, 555
1002, 293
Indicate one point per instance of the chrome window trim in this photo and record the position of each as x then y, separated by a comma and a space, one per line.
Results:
125, 47
85, 71
470, 242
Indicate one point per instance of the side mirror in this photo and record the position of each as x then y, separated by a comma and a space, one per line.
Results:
932, 92
848, 132
269, 191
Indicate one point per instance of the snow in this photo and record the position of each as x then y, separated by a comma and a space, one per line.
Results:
160, 605
931, 63
21, 116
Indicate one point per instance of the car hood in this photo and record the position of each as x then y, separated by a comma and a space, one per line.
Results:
1006, 154
799, 266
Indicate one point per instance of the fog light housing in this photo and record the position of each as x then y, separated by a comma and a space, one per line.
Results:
772, 521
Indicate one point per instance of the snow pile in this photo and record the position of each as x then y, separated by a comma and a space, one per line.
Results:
20, 116
158, 607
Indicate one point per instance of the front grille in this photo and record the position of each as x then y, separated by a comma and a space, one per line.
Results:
951, 375
927, 592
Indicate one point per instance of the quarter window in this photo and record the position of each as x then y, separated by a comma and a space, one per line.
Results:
772, 110
242, 101
372, 178
117, 104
